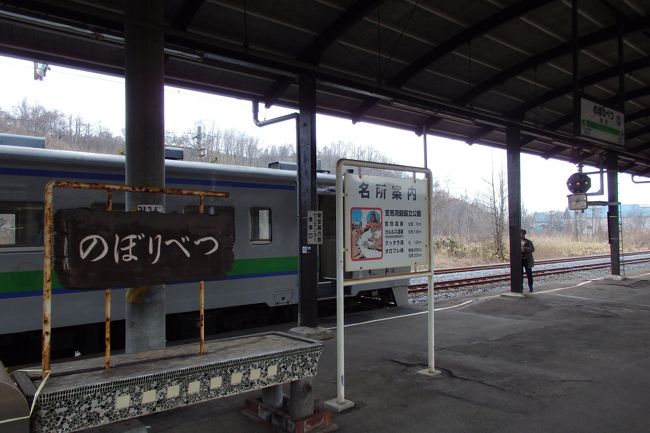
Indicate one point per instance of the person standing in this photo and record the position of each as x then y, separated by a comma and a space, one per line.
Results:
527, 261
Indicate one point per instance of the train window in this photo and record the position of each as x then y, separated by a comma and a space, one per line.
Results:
260, 225
21, 224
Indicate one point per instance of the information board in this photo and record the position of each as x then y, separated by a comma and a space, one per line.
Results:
386, 222
315, 227
577, 201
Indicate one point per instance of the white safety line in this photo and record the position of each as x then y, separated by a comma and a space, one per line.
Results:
401, 316
598, 300
583, 283
569, 287
562, 295
549, 291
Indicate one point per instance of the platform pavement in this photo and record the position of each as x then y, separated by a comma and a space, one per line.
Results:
572, 358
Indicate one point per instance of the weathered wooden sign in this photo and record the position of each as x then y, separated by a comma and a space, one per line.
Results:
96, 249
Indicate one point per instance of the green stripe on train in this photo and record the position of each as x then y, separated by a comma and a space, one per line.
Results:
30, 281
264, 266
24, 281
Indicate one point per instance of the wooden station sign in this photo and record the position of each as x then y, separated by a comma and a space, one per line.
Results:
96, 249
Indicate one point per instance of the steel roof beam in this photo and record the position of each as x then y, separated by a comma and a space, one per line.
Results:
349, 18
19, 39
640, 148
558, 123
551, 153
314, 51
451, 44
589, 80
548, 55
64, 12
637, 93
628, 96
637, 115
605, 74
267, 66
638, 133
186, 13
627, 166
467, 35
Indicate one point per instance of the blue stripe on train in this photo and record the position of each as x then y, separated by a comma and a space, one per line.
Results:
186, 181
59, 173
120, 178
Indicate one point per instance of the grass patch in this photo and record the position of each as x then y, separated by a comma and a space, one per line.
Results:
450, 253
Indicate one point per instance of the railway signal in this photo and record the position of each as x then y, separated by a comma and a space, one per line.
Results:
578, 183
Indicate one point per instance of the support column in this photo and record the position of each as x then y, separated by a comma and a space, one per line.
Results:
301, 398
273, 396
307, 200
145, 154
513, 153
612, 213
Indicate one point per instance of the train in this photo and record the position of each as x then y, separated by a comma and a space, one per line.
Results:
262, 283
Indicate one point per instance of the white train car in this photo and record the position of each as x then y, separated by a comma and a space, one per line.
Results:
264, 275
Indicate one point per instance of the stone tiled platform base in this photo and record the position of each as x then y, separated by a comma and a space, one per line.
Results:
81, 394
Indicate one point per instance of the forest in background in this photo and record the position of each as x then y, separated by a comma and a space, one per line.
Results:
467, 229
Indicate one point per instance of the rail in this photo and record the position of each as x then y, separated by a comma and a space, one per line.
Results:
486, 279
537, 263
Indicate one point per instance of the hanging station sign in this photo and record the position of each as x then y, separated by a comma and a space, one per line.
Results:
601, 122
386, 222
97, 249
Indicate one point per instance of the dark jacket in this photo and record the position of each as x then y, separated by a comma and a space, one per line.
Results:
527, 252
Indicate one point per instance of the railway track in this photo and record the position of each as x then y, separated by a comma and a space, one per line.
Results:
476, 280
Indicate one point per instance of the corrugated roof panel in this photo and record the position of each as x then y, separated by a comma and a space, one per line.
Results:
430, 55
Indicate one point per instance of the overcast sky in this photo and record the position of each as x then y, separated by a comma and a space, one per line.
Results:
99, 99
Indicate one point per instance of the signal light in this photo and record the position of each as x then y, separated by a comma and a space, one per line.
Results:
578, 183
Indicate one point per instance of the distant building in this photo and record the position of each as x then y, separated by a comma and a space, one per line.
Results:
548, 222
589, 222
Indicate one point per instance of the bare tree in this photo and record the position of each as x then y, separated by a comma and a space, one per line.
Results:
336, 150
495, 202
61, 131
598, 220
636, 220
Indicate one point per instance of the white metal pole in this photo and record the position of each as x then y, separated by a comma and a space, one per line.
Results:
431, 303
430, 323
431, 307
339, 403
424, 142
340, 346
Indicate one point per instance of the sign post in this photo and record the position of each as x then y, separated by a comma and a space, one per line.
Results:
382, 222
96, 249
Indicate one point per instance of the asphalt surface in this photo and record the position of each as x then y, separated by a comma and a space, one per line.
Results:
574, 357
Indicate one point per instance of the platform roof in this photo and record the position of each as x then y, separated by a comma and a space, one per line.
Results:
463, 69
